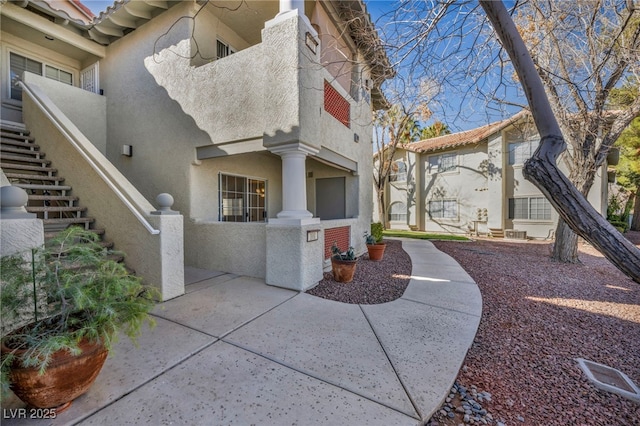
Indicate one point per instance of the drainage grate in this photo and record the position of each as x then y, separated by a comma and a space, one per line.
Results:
609, 379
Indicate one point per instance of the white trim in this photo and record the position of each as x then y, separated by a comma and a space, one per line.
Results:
94, 69
246, 192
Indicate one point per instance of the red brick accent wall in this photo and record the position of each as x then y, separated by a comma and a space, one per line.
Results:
336, 105
341, 235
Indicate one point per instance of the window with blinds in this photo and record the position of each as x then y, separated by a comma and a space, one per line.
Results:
19, 64
223, 49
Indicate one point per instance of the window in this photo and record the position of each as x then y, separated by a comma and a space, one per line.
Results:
18, 64
519, 152
398, 171
223, 49
443, 163
532, 208
398, 212
242, 199
443, 209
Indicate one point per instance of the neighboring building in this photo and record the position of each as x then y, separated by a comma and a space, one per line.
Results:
472, 182
256, 118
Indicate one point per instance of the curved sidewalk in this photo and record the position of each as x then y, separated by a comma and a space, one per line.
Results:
236, 351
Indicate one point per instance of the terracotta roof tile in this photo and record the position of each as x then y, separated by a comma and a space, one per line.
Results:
467, 137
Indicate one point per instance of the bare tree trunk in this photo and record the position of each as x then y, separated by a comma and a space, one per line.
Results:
382, 214
635, 222
565, 247
541, 169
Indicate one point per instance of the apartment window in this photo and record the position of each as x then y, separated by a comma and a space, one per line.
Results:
443, 163
242, 199
443, 209
18, 64
398, 212
58, 75
531, 208
519, 152
223, 49
398, 171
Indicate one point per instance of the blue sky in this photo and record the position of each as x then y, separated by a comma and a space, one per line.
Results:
97, 6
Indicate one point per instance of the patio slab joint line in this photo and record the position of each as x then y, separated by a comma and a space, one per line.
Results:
440, 307
373, 330
244, 324
142, 384
324, 380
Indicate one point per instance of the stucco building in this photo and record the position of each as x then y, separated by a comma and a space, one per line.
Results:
472, 182
255, 116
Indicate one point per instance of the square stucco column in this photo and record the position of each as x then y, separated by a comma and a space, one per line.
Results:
292, 261
19, 231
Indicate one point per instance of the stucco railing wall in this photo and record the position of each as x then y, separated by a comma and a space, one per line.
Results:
87, 110
225, 98
238, 248
153, 243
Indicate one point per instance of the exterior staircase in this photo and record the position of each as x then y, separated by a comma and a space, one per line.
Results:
26, 167
496, 232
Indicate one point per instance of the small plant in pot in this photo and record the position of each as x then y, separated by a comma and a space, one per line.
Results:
375, 246
343, 265
66, 303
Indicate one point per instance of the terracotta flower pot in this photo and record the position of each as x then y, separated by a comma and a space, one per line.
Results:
67, 376
343, 270
376, 251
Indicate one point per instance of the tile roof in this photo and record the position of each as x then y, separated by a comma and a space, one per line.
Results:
467, 137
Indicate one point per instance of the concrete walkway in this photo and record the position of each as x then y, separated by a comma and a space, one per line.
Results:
234, 351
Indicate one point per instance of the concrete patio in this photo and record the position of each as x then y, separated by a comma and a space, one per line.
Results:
234, 351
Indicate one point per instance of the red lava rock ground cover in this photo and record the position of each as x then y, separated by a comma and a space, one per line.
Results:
538, 316
373, 282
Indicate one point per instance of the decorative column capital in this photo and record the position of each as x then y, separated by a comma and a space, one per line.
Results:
294, 148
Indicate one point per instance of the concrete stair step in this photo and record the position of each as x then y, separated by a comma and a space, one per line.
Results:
34, 177
55, 209
21, 151
52, 197
24, 159
68, 220
13, 142
12, 166
20, 136
43, 187
496, 232
48, 234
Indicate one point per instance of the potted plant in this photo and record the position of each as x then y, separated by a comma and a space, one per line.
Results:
66, 303
375, 246
343, 265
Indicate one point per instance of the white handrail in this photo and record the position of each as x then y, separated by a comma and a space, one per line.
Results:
89, 160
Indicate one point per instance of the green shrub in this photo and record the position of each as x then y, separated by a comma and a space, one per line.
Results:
620, 226
376, 231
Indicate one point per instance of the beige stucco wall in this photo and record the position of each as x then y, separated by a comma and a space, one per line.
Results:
156, 258
141, 113
272, 92
467, 184
86, 110
336, 55
238, 248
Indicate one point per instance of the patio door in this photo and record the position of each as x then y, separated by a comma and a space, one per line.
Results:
330, 198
